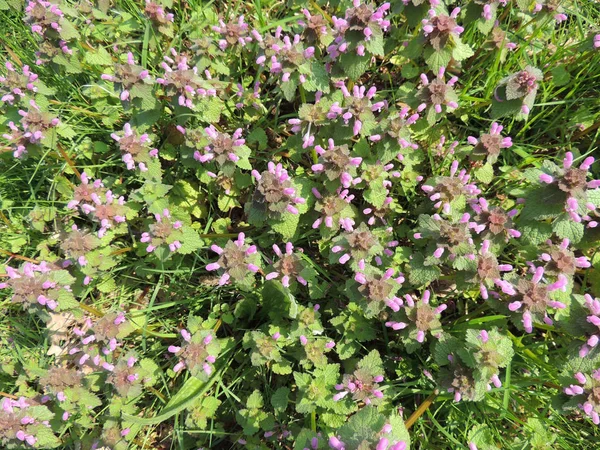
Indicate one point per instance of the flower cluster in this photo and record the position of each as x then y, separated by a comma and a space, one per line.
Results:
128, 77
95, 200
136, 149
587, 390
163, 232
183, 81
197, 354
40, 285
489, 145
16, 83
275, 190
237, 261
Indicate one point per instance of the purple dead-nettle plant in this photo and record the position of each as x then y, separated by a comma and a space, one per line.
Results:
532, 298
362, 20
587, 391
489, 145
397, 126
235, 32
157, 14
439, 30
15, 84
222, 147
488, 270
238, 261
59, 382
94, 200
77, 244
197, 353
361, 385
522, 85
288, 267
34, 127
451, 237
99, 340
335, 210
550, 7
379, 289
493, 221
417, 319
44, 18
135, 148
127, 77
285, 56
437, 93
18, 422
559, 259
360, 246
183, 81
448, 189
40, 285
164, 232
382, 213
593, 306
573, 182
310, 118
274, 187
337, 164
315, 27
356, 107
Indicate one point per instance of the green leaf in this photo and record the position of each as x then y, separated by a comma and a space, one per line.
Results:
485, 174
279, 399
354, 65
100, 57
278, 301
461, 51
567, 228
192, 389
436, 59
420, 274
258, 136
255, 401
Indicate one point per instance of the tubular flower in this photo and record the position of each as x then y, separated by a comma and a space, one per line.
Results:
378, 289
334, 209
19, 424
39, 285
234, 32
488, 269
288, 267
587, 389
447, 189
572, 181
363, 20
237, 260
495, 220
315, 27
16, 85
336, 163
163, 232
559, 259
360, 246
128, 77
532, 297
136, 149
438, 93
417, 319
156, 13
489, 145
184, 82
100, 203
440, 29
98, 340
197, 353
593, 307
222, 148
274, 190
287, 57
451, 238
361, 385
356, 106
34, 125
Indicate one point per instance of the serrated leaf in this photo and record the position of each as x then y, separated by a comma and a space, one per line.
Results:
567, 228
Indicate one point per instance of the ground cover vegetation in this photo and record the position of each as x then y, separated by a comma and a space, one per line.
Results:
300, 225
